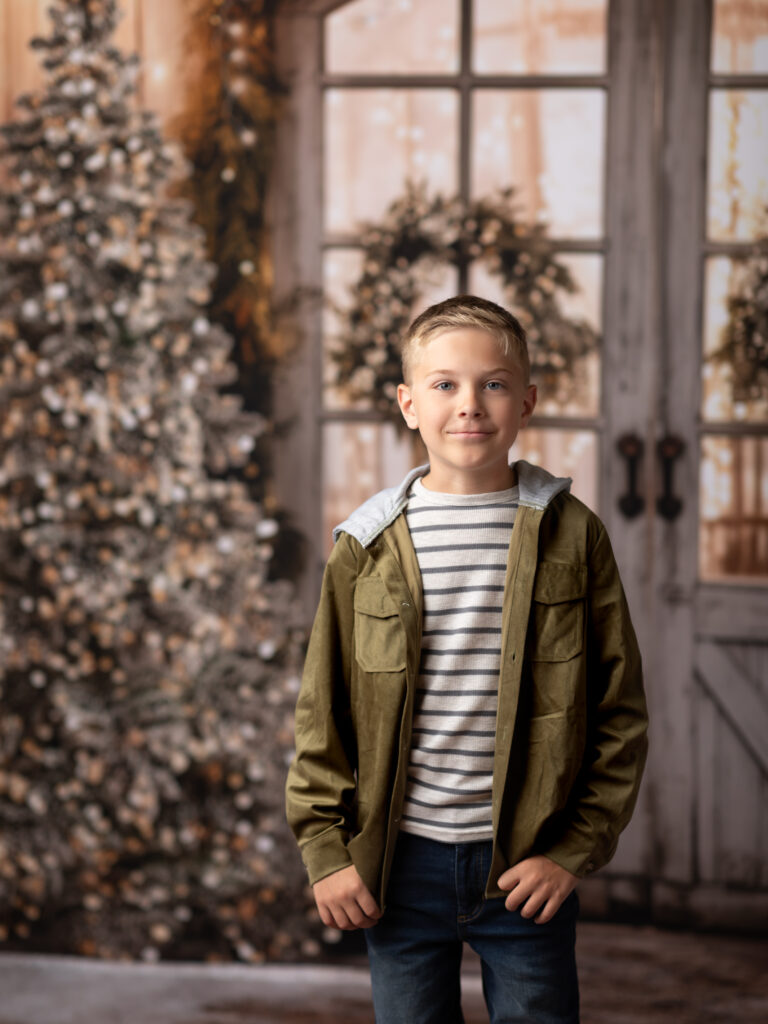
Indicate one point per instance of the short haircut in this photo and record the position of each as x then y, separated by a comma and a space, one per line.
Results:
466, 311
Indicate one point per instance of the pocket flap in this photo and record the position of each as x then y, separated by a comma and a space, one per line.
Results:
558, 581
373, 598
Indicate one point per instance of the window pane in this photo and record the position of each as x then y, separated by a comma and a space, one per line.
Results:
547, 144
376, 369
376, 139
578, 391
565, 453
738, 164
539, 36
734, 507
372, 36
740, 36
360, 459
735, 366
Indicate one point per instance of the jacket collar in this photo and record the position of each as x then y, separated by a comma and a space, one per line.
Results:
537, 489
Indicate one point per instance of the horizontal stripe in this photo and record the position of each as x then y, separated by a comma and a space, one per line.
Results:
459, 672
468, 805
464, 568
470, 630
461, 526
453, 750
466, 714
458, 693
467, 652
454, 771
508, 503
485, 608
444, 789
449, 824
454, 548
424, 731
487, 588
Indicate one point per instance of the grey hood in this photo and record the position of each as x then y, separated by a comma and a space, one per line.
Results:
537, 489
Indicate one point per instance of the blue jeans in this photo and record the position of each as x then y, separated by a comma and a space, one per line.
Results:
435, 902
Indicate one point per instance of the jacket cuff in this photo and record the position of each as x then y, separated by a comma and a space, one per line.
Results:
325, 854
578, 862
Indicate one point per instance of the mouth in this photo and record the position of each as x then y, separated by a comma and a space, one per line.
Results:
470, 433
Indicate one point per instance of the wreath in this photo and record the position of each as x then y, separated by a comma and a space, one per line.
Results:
744, 340
420, 236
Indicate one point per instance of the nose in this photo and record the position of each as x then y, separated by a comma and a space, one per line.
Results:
470, 406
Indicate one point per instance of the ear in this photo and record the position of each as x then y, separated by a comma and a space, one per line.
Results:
529, 404
405, 401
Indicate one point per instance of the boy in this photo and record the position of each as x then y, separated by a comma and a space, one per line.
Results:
471, 727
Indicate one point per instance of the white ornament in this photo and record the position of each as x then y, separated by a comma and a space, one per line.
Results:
43, 368
266, 528
65, 160
66, 208
30, 309
245, 443
27, 210
189, 383
94, 163
200, 326
228, 174
225, 545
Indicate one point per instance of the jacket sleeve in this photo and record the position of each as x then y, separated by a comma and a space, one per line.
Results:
320, 788
604, 796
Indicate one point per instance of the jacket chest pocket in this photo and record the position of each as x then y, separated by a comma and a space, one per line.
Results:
379, 635
557, 613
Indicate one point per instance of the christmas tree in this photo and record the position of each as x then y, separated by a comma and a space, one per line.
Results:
147, 658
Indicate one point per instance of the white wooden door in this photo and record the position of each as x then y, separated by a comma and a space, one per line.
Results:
687, 167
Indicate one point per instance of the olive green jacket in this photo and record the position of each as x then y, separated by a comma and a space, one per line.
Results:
571, 721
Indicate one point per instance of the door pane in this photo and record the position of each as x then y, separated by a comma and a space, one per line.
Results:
734, 507
376, 139
548, 144
415, 36
565, 453
740, 36
358, 460
576, 391
738, 164
376, 363
735, 367
538, 36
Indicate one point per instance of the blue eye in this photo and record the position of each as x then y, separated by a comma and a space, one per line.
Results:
443, 385
494, 385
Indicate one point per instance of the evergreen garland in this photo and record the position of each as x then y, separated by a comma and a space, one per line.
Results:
744, 340
228, 135
419, 234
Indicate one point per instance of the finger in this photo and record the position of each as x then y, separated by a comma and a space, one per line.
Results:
533, 905
341, 919
549, 910
368, 905
508, 880
516, 898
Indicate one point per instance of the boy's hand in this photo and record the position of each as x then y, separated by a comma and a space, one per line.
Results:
344, 900
537, 884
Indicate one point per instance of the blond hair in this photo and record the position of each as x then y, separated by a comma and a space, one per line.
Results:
466, 311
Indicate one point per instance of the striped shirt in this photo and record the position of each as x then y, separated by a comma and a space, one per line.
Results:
461, 543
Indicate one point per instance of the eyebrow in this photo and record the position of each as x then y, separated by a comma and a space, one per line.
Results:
487, 373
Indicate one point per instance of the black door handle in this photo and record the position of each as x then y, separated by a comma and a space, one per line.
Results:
631, 447
669, 449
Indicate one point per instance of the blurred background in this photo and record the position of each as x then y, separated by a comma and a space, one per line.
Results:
199, 317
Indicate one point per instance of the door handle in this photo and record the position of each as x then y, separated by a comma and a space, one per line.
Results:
669, 449
631, 447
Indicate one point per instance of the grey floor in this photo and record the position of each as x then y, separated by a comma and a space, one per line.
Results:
628, 975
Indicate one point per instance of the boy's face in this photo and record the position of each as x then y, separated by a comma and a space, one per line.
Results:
468, 401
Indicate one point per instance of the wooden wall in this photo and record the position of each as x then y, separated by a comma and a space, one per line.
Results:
156, 30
